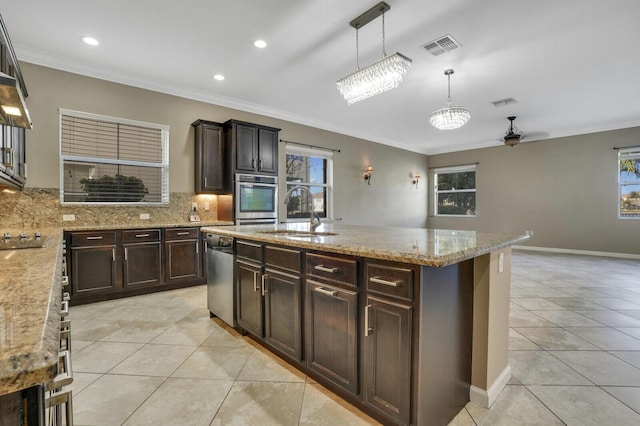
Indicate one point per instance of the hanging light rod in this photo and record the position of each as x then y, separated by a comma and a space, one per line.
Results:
370, 15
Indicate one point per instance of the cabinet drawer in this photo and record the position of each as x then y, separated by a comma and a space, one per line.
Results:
93, 238
140, 235
181, 233
249, 250
336, 269
287, 259
390, 280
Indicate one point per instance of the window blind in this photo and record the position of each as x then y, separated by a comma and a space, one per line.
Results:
111, 160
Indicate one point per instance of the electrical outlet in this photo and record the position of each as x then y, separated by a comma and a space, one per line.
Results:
68, 217
206, 205
144, 216
194, 206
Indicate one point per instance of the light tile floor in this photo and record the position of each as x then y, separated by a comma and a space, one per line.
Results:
160, 360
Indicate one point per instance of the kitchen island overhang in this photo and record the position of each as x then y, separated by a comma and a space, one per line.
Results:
474, 272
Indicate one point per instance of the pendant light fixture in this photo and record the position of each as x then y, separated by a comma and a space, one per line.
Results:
513, 135
379, 77
450, 117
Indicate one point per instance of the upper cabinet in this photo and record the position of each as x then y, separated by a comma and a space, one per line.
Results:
14, 116
252, 148
210, 176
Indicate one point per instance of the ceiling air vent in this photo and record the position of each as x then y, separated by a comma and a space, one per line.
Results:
441, 45
504, 102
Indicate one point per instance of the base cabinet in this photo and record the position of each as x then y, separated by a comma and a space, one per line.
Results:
331, 333
108, 264
183, 255
282, 312
94, 264
386, 380
250, 305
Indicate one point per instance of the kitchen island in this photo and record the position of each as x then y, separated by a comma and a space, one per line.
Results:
30, 297
406, 324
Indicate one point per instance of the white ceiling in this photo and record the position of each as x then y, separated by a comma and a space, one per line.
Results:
572, 65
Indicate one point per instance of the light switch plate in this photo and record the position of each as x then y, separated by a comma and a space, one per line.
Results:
144, 216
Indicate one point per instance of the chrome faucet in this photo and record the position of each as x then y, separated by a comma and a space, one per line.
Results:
312, 217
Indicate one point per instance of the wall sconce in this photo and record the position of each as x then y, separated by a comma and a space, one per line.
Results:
367, 174
416, 178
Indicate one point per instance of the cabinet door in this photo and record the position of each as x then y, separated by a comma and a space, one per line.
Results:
142, 264
267, 151
331, 341
387, 358
183, 260
283, 312
210, 158
246, 148
250, 308
93, 269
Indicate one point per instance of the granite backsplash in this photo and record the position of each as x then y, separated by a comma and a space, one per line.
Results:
40, 208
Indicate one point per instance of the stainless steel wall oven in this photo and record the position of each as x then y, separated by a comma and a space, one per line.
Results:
256, 199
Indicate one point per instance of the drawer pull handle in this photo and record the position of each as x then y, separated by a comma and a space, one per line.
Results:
94, 238
325, 269
141, 235
367, 330
182, 233
332, 293
385, 282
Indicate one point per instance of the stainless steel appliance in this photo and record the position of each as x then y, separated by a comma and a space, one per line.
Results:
220, 289
256, 199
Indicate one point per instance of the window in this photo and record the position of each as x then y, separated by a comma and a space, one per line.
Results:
313, 169
629, 182
455, 191
112, 160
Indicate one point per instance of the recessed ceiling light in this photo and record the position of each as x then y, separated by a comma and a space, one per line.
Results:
260, 44
219, 77
90, 41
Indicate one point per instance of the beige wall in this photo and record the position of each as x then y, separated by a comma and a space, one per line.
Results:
390, 200
564, 189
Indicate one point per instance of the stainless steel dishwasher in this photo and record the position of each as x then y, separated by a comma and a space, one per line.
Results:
220, 289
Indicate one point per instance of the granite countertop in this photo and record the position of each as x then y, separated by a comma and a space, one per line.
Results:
68, 226
430, 247
30, 292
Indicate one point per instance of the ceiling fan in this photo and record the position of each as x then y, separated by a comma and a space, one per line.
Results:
514, 136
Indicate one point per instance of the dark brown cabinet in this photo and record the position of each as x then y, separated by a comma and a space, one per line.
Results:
142, 263
253, 148
118, 263
183, 255
331, 318
94, 265
387, 345
13, 168
283, 300
210, 176
331, 333
250, 287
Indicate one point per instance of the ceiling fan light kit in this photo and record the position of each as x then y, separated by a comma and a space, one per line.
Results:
383, 75
449, 117
513, 135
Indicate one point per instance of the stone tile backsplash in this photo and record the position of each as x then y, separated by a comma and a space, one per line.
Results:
40, 208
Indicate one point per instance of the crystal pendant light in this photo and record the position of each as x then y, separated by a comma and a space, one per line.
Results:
450, 117
379, 77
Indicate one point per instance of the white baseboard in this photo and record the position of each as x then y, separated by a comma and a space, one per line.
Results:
581, 252
486, 398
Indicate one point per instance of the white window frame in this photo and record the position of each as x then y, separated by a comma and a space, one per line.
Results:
327, 154
631, 153
163, 165
453, 169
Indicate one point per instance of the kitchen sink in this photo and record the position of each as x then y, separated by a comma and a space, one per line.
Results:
298, 234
